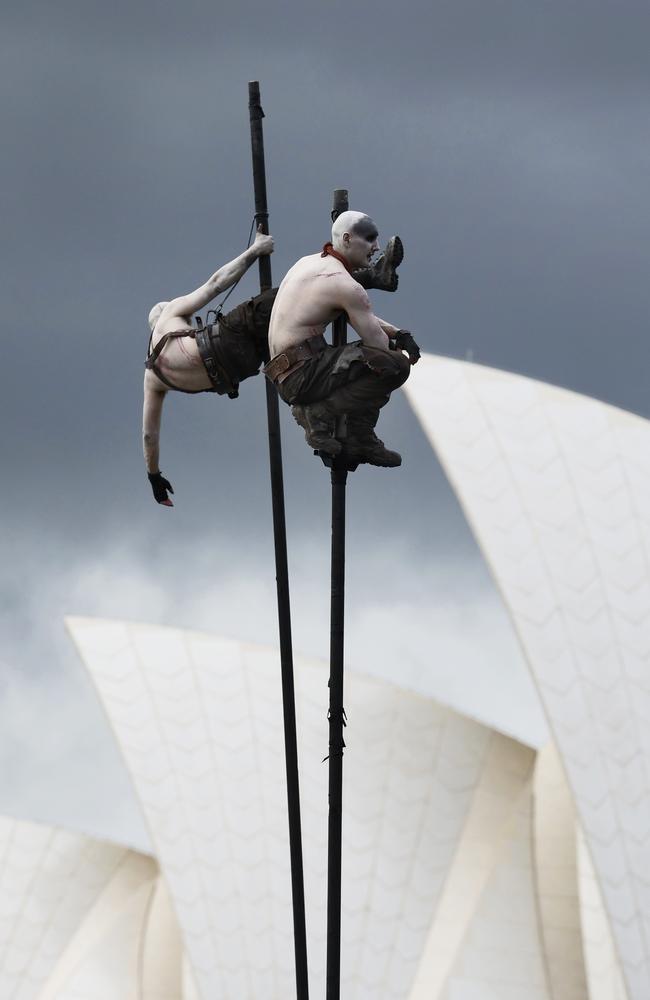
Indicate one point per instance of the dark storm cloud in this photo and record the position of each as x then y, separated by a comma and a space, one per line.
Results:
508, 144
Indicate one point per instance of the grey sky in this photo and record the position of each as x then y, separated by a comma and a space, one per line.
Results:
507, 142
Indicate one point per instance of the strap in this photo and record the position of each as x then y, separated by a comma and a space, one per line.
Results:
282, 363
221, 380
329, 251
152, 356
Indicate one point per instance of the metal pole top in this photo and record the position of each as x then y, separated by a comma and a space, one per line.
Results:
254, 100
340, 202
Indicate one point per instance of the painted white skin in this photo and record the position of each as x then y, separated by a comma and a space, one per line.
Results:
180, 359
318, 289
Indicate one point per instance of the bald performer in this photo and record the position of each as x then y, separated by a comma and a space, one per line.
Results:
185, 357
322, 382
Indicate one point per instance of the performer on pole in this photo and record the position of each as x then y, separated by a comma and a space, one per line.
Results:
322, 382
189, 358
192, 358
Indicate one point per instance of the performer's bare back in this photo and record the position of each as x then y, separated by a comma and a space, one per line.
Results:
314, 292
180, 361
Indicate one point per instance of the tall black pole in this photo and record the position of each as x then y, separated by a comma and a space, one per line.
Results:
339, 475
282, 576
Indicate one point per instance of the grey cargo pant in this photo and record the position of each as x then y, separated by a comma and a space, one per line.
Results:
354, 380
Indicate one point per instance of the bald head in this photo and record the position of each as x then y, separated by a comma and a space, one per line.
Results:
352, 224
154, 315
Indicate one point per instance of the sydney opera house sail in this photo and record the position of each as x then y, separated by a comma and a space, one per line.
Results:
199, 722
475, 866
556, 487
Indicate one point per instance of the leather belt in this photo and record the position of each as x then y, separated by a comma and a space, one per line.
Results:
293, 358
221, 381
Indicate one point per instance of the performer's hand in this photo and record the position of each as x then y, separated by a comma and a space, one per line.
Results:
160, 486
404, 341
263, 244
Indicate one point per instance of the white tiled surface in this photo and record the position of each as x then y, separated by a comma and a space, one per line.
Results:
505, 775
554, 843
199, 722
108, 969
102, 959
502, 954
160, 967
602, 965
190, 991
556, 487
126, 949
49, 880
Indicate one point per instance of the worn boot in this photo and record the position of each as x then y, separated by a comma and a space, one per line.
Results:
373, 452
363, 445
319, 425
383, 273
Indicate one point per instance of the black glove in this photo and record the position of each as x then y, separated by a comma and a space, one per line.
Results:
404, 341
160, 486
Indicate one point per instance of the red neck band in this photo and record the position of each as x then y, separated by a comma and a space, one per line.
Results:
329, 251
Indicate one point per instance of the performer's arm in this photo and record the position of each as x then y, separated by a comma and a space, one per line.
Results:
388, 328
355, 302
151, 417
377, 332
222, 279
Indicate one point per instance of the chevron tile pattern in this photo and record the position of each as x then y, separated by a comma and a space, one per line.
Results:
412, 770
601, 962
505, 777
556, 869
556, 487
49, 881
199, 722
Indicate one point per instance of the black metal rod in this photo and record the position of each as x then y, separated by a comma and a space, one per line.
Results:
336, 742
340, 204
336, 711
282, 578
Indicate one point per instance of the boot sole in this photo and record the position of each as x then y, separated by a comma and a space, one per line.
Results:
394, 252
364, 459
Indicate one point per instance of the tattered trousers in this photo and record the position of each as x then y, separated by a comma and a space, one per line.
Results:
355, 380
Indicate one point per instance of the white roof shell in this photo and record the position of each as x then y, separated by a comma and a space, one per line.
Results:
556, 487
52, 883
199, 722
461, 880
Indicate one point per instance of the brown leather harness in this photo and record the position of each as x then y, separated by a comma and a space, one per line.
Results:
221, 381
